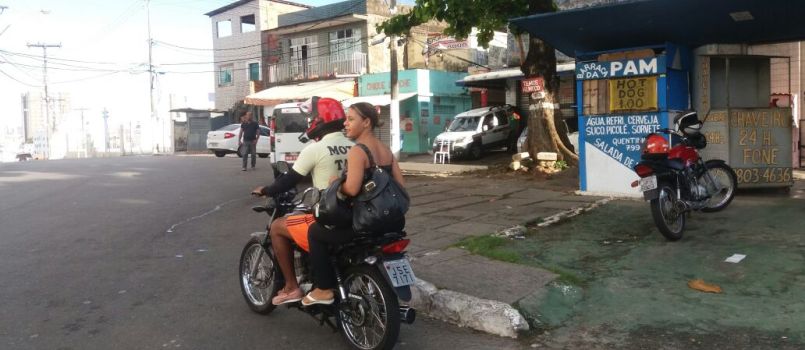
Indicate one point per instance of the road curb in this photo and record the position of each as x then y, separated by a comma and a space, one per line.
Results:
464, 310
567, 214
490, 316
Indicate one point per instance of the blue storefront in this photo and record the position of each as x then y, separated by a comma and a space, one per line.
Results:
619, 101
428, 100
639, 63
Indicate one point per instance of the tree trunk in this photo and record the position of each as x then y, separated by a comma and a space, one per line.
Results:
542, 114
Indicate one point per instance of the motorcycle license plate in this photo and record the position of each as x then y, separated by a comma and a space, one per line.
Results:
400, 272
648, 183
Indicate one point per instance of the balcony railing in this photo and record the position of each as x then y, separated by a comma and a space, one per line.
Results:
316, 68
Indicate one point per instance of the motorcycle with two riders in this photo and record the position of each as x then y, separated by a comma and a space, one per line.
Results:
373, 275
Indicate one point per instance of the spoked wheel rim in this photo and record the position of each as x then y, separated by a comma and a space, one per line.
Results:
723, 180
258, 288
670, 214
364, 316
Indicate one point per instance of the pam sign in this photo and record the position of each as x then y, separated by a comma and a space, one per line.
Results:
625, 68
633, 94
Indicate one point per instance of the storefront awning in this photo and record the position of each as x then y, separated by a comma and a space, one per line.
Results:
498, 78
638, 23
378, 100
338, 89
493, 75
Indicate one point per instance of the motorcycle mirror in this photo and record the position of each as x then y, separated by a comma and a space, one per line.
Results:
706, 115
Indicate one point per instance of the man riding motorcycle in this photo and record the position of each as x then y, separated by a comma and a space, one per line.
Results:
325, 159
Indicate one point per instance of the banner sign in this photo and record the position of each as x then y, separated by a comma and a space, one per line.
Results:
532, 85
760, 145
625, 68
633, 94
621, 136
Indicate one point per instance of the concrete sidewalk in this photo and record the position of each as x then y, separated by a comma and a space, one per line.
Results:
466, 289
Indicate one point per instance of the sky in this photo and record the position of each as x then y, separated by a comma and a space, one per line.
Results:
102, 61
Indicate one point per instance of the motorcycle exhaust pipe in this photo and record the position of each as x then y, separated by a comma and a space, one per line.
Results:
407, 314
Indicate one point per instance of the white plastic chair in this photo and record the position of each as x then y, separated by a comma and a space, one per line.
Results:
445, 147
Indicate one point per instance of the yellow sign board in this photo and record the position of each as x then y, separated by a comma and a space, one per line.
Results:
633, 94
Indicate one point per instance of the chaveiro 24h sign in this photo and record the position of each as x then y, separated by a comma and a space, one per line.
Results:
624, 68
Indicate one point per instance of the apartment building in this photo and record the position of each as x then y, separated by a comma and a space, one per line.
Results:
326, 42
237, 51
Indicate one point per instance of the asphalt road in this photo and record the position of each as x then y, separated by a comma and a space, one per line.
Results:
142, 253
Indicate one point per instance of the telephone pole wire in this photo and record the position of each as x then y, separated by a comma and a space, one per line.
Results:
48, 126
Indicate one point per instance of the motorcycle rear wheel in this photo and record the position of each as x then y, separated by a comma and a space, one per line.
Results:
260, 289
370, 318
668, 219
724, 175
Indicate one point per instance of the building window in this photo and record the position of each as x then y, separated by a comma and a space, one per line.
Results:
254, 71
225, 75
344, 43
224, 28
247, 24
304, 54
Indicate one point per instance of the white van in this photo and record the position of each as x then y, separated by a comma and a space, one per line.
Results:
287, 123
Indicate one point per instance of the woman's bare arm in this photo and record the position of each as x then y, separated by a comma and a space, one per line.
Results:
356, 163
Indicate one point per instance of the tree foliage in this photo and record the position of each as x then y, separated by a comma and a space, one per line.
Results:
461, 16
488, 16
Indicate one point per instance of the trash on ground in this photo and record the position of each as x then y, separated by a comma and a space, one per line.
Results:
735, 258
702, 286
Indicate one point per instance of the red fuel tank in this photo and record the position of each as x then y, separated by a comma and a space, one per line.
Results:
687, 154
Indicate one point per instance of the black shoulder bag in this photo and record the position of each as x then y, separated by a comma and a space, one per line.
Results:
331, 210
381, 205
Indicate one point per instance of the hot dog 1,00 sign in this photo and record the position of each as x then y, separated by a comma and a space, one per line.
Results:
633, 94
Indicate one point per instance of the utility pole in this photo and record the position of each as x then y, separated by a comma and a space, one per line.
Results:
105, 131
83, 133
153, 123
394, 107
48, 127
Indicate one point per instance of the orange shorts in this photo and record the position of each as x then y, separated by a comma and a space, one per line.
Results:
297, 226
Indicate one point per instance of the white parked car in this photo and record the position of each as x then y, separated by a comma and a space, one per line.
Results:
474, 131
573, 136
225, 140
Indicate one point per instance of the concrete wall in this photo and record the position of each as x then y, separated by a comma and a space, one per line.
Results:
784, 74
787, 76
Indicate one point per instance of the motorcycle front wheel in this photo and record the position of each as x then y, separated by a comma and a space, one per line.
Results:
258, 276
370, 317
725, 180
667, 216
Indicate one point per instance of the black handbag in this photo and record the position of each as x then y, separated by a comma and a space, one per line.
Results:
381, 205
331, 210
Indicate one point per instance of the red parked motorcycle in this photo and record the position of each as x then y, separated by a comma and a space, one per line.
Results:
676, 180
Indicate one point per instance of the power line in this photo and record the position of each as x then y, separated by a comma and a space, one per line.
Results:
89, 78
56, 58
15, 65
75, 68
17, 80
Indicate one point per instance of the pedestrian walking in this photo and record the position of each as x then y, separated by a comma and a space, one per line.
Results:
247, 139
